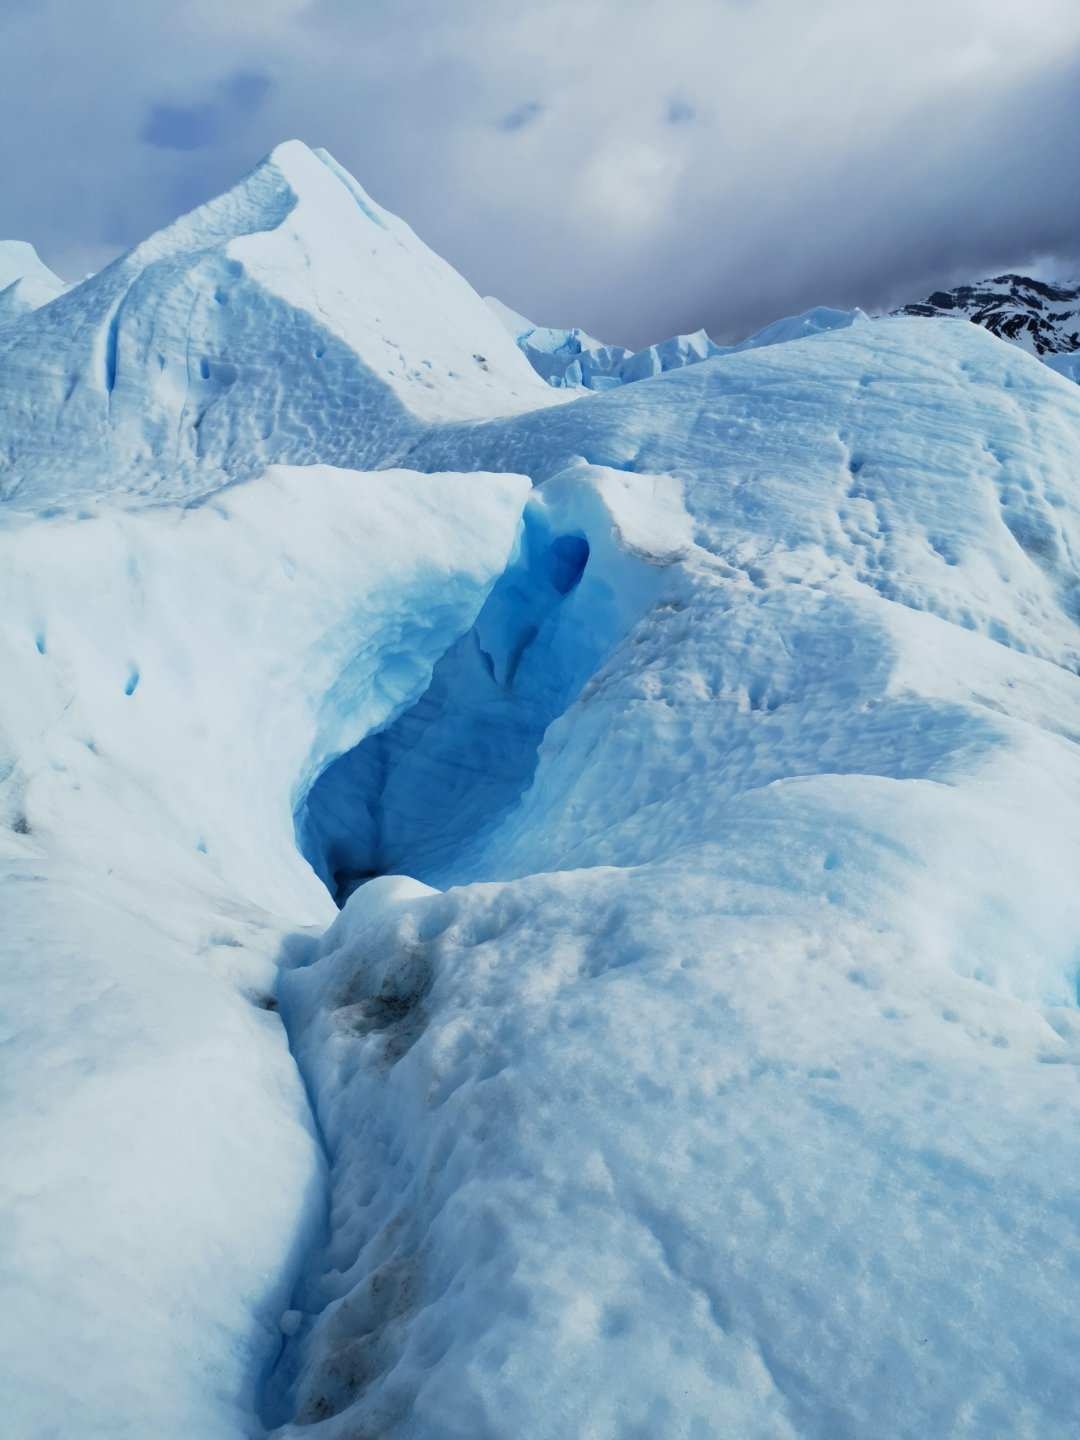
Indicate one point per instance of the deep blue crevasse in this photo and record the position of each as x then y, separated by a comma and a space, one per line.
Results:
418, 796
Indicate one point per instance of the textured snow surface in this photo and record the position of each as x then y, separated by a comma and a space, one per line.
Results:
694, 1054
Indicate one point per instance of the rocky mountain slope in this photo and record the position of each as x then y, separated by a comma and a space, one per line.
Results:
1041, 318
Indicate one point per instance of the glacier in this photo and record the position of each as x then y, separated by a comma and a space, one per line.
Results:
528, 910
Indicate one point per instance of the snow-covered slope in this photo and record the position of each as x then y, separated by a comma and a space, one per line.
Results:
1043, 318
571, 358
253, 331
694, 1052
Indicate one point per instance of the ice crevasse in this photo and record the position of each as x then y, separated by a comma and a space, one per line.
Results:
695, 766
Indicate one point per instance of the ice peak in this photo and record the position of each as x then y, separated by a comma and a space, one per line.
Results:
19, 259
290, 305
292, 176
304, 168
25, 281
288, 153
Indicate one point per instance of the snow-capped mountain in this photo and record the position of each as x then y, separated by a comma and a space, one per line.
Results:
1042, 318
526, 911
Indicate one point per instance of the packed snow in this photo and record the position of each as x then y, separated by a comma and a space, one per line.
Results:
695, 765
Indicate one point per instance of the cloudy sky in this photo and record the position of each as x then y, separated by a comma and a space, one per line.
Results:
638, 167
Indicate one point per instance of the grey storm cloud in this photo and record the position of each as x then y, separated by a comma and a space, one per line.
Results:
635, 168
681, 112
521, 115
181, 127
192, 127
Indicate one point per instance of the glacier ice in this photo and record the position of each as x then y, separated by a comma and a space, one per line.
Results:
1067, 364
573, 359
695, 765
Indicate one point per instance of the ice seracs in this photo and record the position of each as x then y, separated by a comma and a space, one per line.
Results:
573, 359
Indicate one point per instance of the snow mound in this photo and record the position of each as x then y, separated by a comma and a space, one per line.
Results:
257, 330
